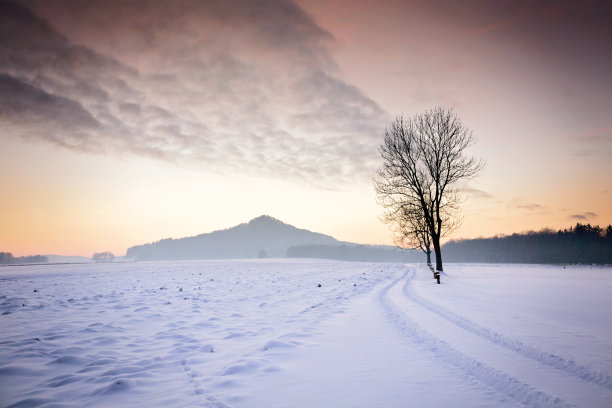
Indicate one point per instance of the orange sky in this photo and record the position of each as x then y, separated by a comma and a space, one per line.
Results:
120, 125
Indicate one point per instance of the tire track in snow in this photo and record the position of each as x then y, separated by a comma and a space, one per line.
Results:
440, 349
552, 360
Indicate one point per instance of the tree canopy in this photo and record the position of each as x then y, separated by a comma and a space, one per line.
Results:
424, 162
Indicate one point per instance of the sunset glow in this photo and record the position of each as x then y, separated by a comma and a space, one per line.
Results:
126, 122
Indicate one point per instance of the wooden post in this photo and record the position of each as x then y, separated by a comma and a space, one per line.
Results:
436, 274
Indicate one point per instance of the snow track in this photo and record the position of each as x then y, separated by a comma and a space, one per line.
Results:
441, 350
517, 370
278, 333
550, 359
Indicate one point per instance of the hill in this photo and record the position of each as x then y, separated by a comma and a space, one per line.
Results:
262, 237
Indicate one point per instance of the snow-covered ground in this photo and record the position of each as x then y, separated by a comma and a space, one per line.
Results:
265, 334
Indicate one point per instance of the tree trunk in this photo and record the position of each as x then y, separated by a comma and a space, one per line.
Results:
436, 245
428, 252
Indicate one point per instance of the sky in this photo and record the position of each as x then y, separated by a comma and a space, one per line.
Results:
125, 122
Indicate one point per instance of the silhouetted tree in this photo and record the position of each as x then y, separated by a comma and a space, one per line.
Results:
103, 257
409, 228
6, 258
423, 162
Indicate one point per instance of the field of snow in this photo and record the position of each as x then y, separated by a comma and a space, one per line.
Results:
304, 333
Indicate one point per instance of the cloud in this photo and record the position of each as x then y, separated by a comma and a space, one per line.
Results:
530, 207
245, 87
593, 143
474, 192
28, 111
585, 216
19, 99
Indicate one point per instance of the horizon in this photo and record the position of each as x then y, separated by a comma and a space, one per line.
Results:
124, 253
121, 126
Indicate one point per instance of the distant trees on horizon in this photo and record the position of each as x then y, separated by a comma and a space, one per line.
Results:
582, 244
7, 258
355, 253
103, 257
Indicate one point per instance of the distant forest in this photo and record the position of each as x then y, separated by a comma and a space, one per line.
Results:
7, 258
355, 253
582, 244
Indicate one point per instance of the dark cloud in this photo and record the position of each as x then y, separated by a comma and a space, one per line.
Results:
22, 104
183, 29
558, 23
583, 217
20, 28
349, 111
246, 86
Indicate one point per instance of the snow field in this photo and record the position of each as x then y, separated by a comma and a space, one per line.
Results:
265, 334
161, 334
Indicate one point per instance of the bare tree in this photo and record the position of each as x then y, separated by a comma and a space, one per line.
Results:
409, 228
418, 184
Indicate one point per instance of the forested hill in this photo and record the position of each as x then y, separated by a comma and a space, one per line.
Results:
581, 244
265, 237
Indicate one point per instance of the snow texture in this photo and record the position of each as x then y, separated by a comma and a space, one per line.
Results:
304, 333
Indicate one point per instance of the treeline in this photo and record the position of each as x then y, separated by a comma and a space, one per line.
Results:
103, 257
7, 258
355, 253
581, 244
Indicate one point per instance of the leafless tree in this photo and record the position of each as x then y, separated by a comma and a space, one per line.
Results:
424, 162
409, 229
